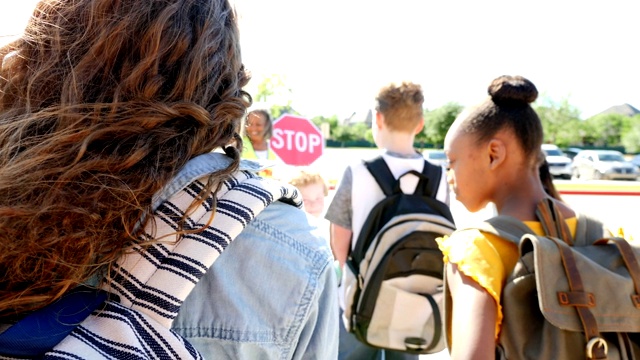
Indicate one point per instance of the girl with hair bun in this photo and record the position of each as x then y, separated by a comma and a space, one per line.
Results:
120, 187
494, 156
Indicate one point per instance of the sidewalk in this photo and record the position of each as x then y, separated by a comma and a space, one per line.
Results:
442, 355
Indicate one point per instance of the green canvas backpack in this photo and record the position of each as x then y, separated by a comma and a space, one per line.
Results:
567, 297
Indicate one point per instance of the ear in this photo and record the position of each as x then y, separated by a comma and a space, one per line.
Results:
379, 120
419, 127
497, 150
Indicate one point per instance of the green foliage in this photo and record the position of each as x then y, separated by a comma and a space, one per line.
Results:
354, 132
332, 121
631, 137
278, 110
559, 121
276, 96
438, 122
607, 128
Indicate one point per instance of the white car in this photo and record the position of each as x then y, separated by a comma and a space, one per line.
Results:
603, 164
559, 163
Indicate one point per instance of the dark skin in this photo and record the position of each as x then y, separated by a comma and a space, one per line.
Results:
493, 171
256, 126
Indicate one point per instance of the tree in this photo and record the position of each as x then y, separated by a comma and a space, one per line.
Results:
607, 128
332, 121
438, 122
559, 121
631, 138
275, 95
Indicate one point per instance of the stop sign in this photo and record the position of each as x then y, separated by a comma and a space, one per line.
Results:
296, 140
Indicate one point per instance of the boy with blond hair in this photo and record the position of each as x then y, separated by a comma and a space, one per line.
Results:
313, 189
398, 118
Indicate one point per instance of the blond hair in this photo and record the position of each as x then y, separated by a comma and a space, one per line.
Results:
306, 178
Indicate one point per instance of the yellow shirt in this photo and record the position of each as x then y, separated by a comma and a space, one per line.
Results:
487, 258
249, 153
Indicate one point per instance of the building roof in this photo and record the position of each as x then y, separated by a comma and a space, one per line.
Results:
624, 109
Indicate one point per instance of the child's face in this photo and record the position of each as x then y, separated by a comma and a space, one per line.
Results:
313, 197
467, 175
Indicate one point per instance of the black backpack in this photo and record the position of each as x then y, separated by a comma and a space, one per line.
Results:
393, 278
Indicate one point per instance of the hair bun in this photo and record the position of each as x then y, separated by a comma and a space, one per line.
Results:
512, 90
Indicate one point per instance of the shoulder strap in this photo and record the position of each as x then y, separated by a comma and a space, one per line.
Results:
588, 229
43, 329
156, 279
552, 221
430, 181
507, 227
427, 185
383, 176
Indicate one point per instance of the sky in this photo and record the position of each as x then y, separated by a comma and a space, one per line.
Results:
334, 55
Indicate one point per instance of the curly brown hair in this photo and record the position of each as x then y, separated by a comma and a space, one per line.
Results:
101, 103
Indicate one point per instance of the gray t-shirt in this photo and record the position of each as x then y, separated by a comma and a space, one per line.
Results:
339, 211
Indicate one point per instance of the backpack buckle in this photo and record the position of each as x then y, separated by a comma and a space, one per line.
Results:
595, 343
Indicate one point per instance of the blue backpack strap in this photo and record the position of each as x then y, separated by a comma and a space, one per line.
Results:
44, 328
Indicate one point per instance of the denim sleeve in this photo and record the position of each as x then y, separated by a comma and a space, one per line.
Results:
272, 294
319, 336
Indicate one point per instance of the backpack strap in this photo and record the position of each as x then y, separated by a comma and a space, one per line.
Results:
156, 279
428, 183
44, 328
588, 230
430, 180
153, 280
383, 176
506, 227
552, 221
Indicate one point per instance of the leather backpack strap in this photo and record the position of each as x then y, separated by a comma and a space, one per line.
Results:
630, 261
552, 221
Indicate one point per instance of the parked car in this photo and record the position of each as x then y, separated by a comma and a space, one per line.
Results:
559, 163
436, 157
571, 152
636, 161
603, 164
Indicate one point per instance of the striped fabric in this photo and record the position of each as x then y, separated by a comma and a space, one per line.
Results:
153, 283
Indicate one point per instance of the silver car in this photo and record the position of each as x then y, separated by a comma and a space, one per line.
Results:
603, 164
559, 163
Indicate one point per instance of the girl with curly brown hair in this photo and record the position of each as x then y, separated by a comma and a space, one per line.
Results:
120, 171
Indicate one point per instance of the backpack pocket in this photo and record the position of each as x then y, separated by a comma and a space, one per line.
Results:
405, 319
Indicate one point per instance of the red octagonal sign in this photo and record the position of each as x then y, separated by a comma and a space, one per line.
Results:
296, 140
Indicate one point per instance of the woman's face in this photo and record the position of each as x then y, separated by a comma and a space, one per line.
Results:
468, 168
256, 127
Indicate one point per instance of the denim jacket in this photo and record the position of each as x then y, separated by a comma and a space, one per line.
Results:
270, 295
